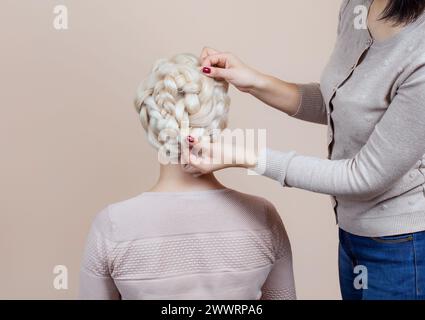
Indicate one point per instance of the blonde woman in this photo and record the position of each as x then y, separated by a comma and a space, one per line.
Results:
189, 237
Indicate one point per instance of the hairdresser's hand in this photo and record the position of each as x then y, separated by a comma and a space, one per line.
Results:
226, 66
208, 157
279, 94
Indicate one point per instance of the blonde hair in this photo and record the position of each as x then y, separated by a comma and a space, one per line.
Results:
177, 100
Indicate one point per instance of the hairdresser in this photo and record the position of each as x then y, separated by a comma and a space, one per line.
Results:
372, 99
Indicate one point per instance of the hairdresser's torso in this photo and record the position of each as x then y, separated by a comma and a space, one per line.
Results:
358, 85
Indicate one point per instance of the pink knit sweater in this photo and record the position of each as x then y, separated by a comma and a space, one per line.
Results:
215, 244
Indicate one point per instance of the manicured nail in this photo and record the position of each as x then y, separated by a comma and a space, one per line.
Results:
206, 70
190, 139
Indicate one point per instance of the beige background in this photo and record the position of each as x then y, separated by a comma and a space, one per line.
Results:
71, 142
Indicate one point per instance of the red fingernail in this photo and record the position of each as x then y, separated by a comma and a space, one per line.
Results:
190, 139
206, 70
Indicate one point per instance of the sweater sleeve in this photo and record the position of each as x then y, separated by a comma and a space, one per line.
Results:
96, 282
312, 107
393, 148
280, 283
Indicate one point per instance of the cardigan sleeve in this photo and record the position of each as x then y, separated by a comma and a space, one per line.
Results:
312, 107
394, 147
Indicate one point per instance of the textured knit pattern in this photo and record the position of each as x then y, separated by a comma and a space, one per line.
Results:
271, 294
217, 244
372, 96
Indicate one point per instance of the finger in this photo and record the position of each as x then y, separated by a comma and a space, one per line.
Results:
201, 164
202, 149
220, 60
207, 51
191, 170
191, 141
216, 73
186, 146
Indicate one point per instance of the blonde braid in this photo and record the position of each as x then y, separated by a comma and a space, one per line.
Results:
177, 100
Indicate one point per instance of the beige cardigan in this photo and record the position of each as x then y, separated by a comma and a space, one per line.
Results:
372, 97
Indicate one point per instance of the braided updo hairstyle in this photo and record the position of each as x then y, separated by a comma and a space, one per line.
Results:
177, 100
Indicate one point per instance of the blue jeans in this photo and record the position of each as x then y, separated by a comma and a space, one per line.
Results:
382, 268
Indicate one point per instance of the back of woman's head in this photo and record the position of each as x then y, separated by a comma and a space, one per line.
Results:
177, 100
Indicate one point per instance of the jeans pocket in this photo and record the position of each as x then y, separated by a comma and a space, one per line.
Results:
394, 239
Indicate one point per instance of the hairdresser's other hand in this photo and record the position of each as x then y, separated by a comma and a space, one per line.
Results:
226, 66
185, 154
208, 157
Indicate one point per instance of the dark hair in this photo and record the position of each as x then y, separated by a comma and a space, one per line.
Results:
403, 11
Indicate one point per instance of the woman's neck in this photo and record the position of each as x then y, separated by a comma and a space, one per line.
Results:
381, 29
173, 178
